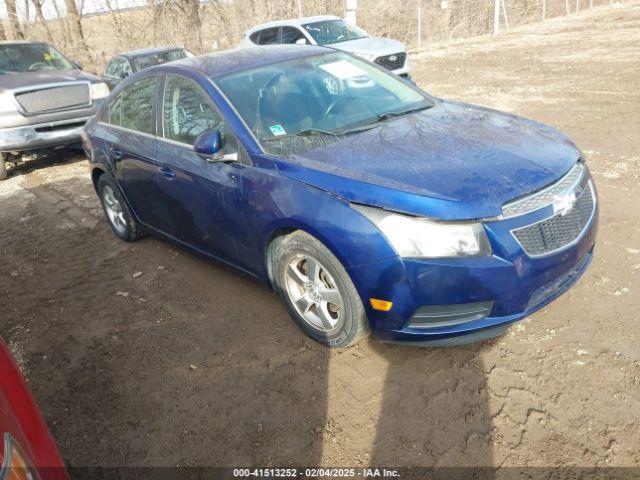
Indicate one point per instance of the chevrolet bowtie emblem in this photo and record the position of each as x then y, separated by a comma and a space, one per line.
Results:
563, 204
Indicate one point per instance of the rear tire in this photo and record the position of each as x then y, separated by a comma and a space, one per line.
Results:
117, 212
3, 167
318, 291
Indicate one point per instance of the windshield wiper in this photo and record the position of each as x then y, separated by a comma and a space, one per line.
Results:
385, 116
305, 132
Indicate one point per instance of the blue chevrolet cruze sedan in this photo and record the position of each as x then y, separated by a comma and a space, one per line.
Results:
367, 203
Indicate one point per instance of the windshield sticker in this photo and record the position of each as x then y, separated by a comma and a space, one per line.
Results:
277, 130
343, 70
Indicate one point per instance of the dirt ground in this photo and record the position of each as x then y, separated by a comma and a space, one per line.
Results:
143, 354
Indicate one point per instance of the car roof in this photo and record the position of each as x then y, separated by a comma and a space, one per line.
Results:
231, 61
295, 22
148, 51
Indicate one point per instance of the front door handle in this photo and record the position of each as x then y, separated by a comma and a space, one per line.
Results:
167, 172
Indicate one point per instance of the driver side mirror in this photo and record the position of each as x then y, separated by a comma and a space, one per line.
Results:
209, 145
301, 41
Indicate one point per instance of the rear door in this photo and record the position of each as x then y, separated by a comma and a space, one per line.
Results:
130, 144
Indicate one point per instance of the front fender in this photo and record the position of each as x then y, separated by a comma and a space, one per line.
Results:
275, 203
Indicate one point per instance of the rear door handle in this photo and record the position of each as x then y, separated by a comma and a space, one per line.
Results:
116, 153
167, 172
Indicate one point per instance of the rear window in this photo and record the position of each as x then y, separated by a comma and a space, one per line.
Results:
150, 60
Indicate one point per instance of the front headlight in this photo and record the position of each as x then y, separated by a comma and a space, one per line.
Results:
99, 90
7, 103
422, 238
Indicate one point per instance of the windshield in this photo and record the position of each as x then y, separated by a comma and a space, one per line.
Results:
146, 61
326, 96
333, 31
31, 57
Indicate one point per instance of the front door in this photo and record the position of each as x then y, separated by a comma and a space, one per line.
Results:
202, 204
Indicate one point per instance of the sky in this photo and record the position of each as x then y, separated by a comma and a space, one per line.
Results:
90, 6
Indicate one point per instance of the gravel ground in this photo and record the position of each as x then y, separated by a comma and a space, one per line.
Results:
143, 354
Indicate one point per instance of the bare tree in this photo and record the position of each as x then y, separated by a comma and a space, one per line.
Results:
191, 11
37, 4
14, 22
3, 36
75, 28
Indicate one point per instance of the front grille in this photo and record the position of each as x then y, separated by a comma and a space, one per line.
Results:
63, 126
559, 231
545, 196
434, 316
392, 62
61, 97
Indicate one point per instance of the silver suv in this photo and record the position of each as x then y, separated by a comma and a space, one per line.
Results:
45, 100
333, 32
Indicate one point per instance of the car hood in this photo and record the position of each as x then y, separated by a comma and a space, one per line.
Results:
453, 161
13, 81
370, 45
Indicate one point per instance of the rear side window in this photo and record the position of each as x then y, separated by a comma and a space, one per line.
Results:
115, 111
291, 35
133, 108
137, 106
187, 111
255, 37
268, 36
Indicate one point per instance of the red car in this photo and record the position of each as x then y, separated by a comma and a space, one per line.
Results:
27, 449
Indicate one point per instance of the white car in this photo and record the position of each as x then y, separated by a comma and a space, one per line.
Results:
333, 32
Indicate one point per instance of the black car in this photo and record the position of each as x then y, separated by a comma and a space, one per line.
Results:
45, 100
128, 63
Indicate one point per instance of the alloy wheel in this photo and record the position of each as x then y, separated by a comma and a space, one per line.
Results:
314, 293
114, 210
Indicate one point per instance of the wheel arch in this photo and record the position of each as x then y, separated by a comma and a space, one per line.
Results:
96, 173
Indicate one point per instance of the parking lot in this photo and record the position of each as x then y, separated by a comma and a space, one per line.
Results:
144, 354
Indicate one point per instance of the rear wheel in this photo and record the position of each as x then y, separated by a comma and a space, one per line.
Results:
116, 210
318, 292
3, 167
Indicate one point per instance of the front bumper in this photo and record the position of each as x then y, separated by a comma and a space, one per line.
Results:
514, 284
41, 136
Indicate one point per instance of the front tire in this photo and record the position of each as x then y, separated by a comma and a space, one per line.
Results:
116, 210
318, 292
3, 167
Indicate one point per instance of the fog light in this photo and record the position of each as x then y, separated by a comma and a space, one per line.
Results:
382, 305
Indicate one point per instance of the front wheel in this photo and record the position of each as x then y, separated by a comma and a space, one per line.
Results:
3, 167
318, 292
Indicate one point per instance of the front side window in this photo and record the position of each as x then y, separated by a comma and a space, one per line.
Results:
333, 31
292, 35
187, 111
328, 93
31, 57
133, 107
268, 36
